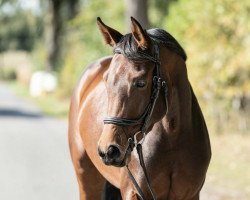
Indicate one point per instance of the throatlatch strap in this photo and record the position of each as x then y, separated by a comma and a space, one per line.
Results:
139, 151
139, 190
136, 184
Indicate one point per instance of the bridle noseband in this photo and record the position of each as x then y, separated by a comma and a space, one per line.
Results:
144, 119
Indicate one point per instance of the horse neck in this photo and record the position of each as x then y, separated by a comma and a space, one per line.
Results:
178, 120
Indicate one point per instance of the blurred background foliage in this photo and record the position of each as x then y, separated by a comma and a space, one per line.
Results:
216, 36
61, 36
19, 28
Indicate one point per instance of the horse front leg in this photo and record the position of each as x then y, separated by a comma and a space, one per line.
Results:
128, 190
135, 197
173, 196
89, 179
196, 197
131, 196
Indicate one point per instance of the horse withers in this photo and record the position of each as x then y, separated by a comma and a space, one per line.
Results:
139, 97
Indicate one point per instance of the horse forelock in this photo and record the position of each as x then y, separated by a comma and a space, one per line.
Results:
129, 48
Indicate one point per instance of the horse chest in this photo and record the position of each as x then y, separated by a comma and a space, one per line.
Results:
174, 174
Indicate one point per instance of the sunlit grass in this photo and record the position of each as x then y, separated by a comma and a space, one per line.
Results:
229, 169
50, 104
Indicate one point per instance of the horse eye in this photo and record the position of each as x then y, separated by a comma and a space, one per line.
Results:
140, 83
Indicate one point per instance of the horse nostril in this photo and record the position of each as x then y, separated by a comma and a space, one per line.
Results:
113, 152
101, 154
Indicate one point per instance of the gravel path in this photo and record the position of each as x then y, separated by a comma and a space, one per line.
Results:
34, 157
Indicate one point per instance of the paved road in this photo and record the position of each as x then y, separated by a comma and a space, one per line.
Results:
34, 157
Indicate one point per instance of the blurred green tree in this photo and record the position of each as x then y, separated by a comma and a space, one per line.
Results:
158, 11
83, 40
19, 28
53, 30
57, 14
216, 35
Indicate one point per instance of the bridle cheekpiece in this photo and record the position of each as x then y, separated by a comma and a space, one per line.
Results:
144, 119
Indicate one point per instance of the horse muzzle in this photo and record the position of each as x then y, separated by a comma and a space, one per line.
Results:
114, 156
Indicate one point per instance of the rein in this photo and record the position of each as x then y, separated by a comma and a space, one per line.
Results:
144, 119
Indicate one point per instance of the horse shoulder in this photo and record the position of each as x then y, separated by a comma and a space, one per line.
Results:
88, 176
191, 171
200, 131
91, 76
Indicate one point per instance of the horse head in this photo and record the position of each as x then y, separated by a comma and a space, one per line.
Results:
130, 86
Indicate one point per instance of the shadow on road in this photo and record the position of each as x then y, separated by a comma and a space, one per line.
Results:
18, 113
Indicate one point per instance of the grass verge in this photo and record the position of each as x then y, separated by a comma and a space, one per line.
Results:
50, 104
228, 174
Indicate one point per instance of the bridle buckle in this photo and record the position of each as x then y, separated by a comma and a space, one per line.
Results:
137, 140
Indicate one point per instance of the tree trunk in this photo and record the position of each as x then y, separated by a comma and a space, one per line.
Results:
52, 33
73, 8
139, 10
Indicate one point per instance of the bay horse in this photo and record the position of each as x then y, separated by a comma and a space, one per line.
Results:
139, 97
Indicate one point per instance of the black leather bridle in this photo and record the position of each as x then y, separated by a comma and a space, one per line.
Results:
144, 119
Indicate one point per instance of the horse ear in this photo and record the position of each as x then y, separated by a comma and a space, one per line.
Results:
111, 36
139, 34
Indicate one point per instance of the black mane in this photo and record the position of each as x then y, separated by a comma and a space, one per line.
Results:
128, 47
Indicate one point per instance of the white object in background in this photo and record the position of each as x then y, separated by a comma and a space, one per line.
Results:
42, 82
